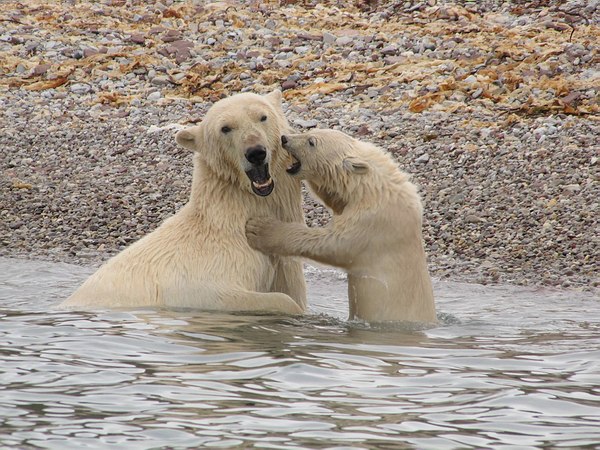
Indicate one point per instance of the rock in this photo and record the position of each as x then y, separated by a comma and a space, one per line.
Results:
288, 84
329, 38
389, 50
472, 218
301, 50
572, 187
137, 38
310, 37
428, 44
423, 159
154, 96
344, 41
80, 88
41, 69
305, 123
171, 36
160, 80
363, 130
477, 93
89, 51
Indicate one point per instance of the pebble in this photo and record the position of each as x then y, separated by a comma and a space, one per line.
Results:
288, 84
160, 80
423, 159
154, 96
328, 38
80, 88
344, 40
305, 123
477, 93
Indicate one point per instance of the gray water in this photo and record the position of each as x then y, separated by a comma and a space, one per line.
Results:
507, 368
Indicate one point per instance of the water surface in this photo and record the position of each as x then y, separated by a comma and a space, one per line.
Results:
507, 368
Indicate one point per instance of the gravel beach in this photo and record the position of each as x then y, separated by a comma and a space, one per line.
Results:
493, 107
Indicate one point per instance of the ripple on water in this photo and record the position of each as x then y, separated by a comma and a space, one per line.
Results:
507, 367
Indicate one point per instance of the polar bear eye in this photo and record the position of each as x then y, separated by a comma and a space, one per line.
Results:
263, 118
225, 129
312, 142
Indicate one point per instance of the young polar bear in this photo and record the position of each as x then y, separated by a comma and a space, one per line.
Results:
375, 231
200, 257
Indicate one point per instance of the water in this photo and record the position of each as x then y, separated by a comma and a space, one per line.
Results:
507, 368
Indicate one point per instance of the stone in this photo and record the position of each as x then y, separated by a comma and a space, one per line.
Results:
344, 40
305, 123
80, 88
137, 38
154, 96
423, 159
160, 80
329, 38
288, 84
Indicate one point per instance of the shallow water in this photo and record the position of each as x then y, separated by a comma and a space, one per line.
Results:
507, 368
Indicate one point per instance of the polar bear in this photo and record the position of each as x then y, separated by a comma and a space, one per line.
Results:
200, 258
375, 231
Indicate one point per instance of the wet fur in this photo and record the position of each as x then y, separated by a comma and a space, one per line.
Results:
375, 231
200, 258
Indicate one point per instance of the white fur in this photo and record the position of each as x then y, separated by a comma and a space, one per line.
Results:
375, 232
200, 258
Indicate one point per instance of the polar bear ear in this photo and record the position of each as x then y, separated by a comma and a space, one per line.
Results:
274, 98
187, 138
356, 165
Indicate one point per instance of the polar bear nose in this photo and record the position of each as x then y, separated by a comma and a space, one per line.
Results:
256, 154
284, 140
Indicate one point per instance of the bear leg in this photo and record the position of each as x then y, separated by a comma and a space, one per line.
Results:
289, 279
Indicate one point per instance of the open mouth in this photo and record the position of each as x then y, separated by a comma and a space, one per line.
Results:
261, 182
294, 168
263, 189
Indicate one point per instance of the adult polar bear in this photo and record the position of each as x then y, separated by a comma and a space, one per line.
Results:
375, 232
200, 258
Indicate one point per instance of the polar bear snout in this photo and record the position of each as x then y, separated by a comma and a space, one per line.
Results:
296, 165
256, 154
258, 170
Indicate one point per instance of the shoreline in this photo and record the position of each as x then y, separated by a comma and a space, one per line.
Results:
507, 168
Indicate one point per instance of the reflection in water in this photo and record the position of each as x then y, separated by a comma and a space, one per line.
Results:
508, 367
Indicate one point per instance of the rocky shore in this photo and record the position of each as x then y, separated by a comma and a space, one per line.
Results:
493, 107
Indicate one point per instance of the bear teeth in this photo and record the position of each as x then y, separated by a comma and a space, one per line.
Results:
262, 185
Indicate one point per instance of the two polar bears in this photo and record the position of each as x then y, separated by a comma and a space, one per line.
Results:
375, 231
200, 257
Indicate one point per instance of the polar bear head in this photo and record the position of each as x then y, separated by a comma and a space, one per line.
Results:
333, 163
325, 155
239, 139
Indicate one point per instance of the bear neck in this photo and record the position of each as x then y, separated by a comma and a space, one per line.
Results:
213, 191
330, 198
